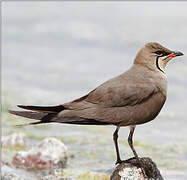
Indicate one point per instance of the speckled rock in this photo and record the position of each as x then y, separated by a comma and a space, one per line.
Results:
129, 170
48, 154
15, 139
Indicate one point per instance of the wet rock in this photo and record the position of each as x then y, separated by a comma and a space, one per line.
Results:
15, 139
48, 154
129, 170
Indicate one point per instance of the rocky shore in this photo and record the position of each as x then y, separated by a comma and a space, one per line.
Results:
47, 160
44, 161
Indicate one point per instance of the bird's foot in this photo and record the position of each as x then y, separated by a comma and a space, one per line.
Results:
119, 161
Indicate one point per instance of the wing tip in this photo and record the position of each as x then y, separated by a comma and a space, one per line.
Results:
25, 107
20, 106
48, 109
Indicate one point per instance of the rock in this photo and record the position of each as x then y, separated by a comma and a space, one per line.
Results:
15, 139
48, 154
129, 170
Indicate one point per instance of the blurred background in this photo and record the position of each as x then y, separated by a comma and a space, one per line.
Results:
53, 52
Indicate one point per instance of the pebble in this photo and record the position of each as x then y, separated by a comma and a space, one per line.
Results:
48, 154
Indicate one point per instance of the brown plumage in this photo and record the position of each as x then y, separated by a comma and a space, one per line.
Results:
132, 98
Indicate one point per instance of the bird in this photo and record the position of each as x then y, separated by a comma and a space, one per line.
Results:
130, 99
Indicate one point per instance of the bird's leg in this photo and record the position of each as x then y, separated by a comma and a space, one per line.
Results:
115, 138
130, 141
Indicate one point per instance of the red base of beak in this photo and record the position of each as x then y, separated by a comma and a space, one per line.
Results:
171, 55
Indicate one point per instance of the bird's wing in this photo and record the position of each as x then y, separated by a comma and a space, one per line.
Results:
117, 100
117, 92
121, 93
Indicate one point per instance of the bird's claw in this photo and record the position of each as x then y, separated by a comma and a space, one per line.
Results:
125, 161
118, 162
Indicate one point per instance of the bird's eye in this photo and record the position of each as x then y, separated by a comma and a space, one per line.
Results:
160, 53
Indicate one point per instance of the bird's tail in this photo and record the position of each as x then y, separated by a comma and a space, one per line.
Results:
44, 114
50, 114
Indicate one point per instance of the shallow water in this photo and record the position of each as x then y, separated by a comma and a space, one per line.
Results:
54, 52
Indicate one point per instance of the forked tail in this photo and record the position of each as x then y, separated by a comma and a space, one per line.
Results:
50, 114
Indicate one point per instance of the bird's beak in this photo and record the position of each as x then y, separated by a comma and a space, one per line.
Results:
174, 54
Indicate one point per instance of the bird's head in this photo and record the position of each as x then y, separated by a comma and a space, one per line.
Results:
155, 56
